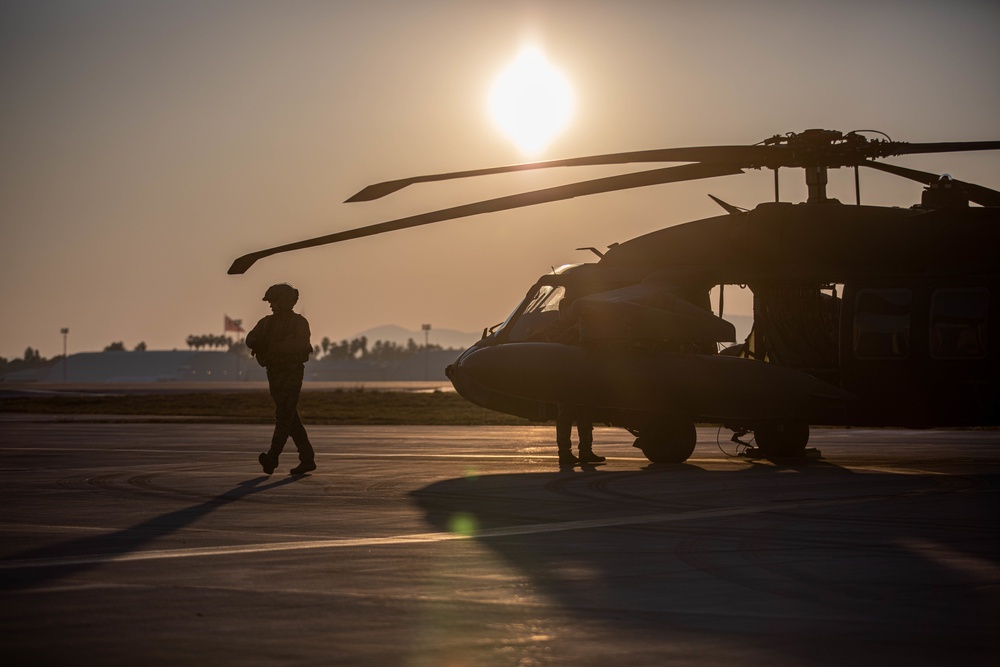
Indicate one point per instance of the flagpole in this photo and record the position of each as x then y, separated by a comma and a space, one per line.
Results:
225, 330
234, 325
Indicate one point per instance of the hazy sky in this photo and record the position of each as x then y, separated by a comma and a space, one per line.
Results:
146, 144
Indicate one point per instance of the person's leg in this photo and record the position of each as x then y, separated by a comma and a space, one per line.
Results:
269, 460
285, 403
585, 429
307, 457
291, 392
301, 440
288, 387
564, 434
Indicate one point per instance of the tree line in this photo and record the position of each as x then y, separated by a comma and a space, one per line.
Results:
358, 348
120, 347
32, 358
327, 350
209, 341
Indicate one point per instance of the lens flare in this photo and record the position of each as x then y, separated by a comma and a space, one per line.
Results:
462, 523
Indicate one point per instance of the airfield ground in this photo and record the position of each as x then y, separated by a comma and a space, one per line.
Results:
164, 544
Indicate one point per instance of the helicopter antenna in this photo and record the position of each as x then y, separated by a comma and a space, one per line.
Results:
729, 208
887, 137
595, 250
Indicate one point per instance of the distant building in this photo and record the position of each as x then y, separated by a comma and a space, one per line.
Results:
148, 366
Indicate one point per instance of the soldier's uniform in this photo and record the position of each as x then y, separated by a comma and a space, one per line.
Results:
280, 342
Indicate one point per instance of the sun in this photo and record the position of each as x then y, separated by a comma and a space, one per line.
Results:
531, 101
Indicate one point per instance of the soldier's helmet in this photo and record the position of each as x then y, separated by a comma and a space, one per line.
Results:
283, 294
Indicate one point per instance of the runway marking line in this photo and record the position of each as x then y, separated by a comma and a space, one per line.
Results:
337, 454
426, 538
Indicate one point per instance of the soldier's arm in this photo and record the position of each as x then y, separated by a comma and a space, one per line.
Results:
255, 339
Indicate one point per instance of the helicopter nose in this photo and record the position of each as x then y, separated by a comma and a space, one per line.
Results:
538, 371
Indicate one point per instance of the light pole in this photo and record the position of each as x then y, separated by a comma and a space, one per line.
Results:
65, 334
427, 350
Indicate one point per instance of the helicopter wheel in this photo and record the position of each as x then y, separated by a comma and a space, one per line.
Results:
782, 439
667, 440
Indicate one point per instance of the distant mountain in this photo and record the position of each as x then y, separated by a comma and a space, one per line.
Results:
446, 338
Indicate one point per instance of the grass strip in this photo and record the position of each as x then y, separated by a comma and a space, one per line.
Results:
333, 407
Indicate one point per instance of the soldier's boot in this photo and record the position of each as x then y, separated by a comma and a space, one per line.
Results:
566, 457
268, 462
303, 467
588, 456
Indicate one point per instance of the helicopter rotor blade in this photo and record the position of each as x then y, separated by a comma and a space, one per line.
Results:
977, 193
688, 172
805, 149
744, 156
890, 148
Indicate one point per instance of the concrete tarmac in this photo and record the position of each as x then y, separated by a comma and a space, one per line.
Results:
164, 544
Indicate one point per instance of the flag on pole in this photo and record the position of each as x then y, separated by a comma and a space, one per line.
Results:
233, 325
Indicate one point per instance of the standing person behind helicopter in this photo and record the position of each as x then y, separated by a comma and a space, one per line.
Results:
280, 342
566, 330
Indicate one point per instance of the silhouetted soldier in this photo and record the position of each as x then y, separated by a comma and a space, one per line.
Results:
281, 344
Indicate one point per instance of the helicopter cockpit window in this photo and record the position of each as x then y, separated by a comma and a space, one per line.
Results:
882, 323
541, 311
958, 323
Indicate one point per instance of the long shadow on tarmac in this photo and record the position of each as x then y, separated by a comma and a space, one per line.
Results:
807, 554
35, 567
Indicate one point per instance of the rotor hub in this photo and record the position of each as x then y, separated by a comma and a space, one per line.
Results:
830, 149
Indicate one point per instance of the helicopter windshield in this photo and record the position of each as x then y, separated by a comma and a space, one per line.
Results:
541, 309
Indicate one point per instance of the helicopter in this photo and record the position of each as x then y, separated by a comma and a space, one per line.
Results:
863, 315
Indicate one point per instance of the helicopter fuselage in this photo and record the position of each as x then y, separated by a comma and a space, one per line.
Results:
863, 316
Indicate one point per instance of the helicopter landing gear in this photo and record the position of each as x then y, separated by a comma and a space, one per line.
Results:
782, 440
666, 440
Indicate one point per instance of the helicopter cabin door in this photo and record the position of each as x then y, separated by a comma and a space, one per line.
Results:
922, 353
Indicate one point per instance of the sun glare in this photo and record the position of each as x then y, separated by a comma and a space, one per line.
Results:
531, 101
